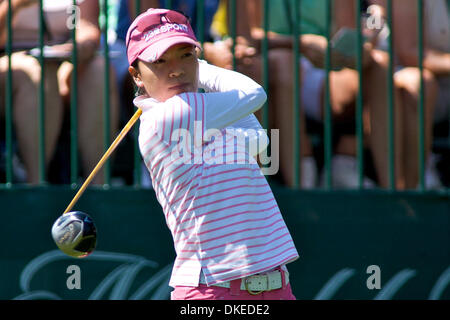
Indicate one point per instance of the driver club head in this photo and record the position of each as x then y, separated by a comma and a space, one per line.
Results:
75, 234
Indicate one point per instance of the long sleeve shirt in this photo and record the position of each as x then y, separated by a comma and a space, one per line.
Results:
224, 219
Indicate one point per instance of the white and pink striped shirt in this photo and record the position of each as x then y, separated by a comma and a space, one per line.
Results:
222, 214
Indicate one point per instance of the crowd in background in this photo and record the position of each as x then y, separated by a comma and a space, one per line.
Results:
218, 49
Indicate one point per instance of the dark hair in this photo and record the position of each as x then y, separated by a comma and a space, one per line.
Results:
137, 91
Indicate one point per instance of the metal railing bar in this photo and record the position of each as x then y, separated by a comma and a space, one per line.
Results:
265, 62
328, 116
421, 122
391, 105
106, 96
74, 109
359, 98
9, 100
233, 30
296, 95
41, 102
137, 172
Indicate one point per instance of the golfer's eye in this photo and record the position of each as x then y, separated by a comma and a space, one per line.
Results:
159, 61
187, 55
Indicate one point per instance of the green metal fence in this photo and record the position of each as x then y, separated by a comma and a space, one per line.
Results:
328, 121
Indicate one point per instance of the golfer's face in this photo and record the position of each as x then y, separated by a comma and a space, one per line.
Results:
174, 73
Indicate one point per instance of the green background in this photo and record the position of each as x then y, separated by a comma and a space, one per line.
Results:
338, 235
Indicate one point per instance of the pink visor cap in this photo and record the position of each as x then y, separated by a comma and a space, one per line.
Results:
155, 31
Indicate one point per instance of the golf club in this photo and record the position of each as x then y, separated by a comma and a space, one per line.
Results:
74, 232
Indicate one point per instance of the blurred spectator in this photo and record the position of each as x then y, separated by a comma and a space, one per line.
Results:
344, 83
26, 78
407, 79
26, 74
344, 86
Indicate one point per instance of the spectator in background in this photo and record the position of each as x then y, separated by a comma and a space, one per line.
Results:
407, 77
344, 86
343, 83
249, 62
26, 78
26, 71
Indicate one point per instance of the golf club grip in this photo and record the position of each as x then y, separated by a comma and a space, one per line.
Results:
105, 157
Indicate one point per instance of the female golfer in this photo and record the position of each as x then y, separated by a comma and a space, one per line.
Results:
230, 238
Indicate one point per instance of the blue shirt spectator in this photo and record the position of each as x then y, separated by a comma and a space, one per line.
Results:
123, 20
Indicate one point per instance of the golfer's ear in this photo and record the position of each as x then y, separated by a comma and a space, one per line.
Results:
135, 74
198, 51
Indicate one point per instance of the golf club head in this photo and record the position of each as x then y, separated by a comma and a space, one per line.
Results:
75, 234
